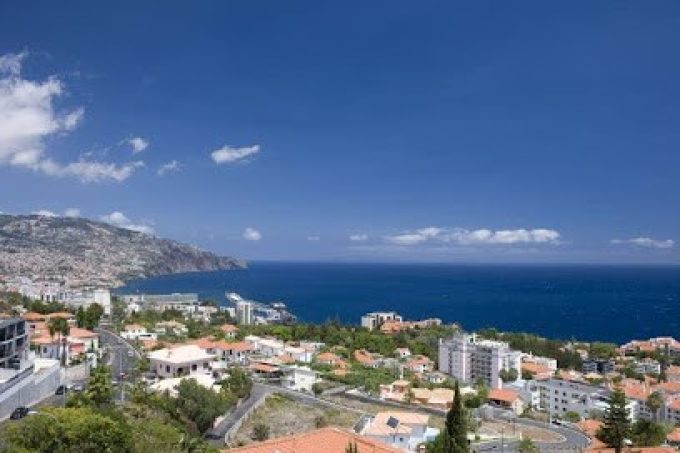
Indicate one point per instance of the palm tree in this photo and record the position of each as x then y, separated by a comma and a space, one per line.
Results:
60, 326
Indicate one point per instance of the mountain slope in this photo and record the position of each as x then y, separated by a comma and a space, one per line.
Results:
86, 251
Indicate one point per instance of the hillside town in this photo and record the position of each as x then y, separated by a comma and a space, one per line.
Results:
385, 384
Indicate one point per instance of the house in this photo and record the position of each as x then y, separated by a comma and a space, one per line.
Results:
673, 438
170, 384
419, 364
233, 353
435, 377
299, 378
171, 327
78, 342
324, 440
230, 331
366, 359
402, 353
332, 360
506, 398
440, 398
402, 430
396, 391
136, 332
180, 361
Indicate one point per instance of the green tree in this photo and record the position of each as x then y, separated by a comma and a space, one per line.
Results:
453, 439
200, 405
508, 374
99, 389
80, 317
616, 424
260, 432
93, 314
654, 402
317, 389
572, 417
60, 327
238, 383
646, 433
527, 445
62, 430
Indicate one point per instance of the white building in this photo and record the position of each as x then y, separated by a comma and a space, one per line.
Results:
244, 312
299, 378
403, 430
180, 361
558, 396
469, 359
136, 332
647, 366
375, 319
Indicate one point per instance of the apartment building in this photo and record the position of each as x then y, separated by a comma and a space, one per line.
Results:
13, 344
600, 366
470, 359
376, 319
558, 396
244, 313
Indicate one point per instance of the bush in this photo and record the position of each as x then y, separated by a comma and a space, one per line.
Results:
260, 432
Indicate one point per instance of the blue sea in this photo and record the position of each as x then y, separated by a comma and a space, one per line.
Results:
608, 303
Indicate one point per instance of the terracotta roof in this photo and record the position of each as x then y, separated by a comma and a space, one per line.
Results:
130, 327
505, 395
674, 405
535, 368
263, 367
61, 314
235, 346
228, 328
324, 440
674, 436
77, 332
379, 426
204, 343
364, 357
33, 316
668, 387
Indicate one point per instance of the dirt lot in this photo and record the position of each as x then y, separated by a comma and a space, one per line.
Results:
285, 417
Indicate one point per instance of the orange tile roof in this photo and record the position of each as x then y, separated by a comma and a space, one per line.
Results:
674, 436
364, 357
228, 328
33, 316
204, 343
535, 368
668, 387
674, 405
77, 332
61, 314
505, 395
324, 440
130, 327
236, 346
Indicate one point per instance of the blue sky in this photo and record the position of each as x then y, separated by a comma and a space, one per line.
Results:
381, 131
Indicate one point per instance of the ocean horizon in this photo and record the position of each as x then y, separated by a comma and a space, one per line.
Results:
587, 302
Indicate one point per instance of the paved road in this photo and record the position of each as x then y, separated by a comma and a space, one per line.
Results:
121, 355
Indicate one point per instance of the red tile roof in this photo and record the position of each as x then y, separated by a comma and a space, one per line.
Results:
324, 440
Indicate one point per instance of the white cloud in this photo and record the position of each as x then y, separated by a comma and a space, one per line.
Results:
462, 236
358, 237
28, 118
117, 218
169, 167
646, 242
251, 234
138, 144
45, 213
72, 212
228, 154
314, 238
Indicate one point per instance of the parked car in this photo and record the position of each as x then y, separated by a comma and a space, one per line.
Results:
60, 390
19, 413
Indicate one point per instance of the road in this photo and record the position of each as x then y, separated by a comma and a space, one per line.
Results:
121, 356
572, 439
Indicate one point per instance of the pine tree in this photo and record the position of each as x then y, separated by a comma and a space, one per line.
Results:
616, 426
